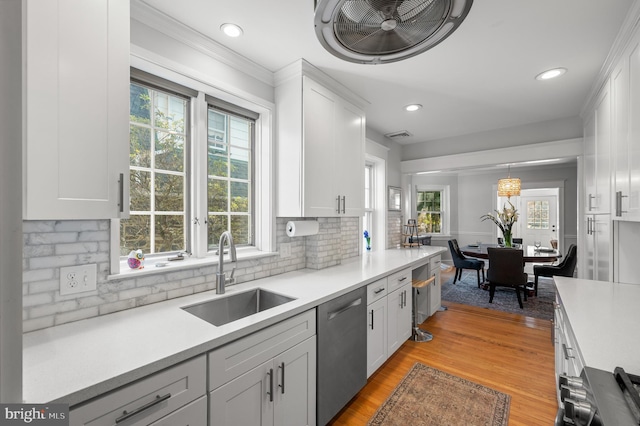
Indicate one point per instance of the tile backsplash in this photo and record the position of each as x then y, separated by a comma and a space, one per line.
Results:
50, 245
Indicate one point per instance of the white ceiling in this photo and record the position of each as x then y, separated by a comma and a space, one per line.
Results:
480, 78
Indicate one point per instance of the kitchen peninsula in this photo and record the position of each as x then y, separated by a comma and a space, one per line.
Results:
113, 350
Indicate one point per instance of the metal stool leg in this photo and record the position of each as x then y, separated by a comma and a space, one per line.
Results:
418, 335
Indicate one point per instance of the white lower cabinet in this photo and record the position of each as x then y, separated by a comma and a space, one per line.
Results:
267, 378
376, 334
399, 318
151, 400
389, 304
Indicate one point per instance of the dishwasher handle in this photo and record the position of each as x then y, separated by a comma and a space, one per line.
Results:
355, 303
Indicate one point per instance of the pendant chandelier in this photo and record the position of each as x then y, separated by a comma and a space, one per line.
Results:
508, 186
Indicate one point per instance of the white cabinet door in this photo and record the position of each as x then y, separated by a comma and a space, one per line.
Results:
244, 400
399, 305
319, 167
76, 139
626, 134
435, 289
597, 168
349, 154
376, 335
295, 385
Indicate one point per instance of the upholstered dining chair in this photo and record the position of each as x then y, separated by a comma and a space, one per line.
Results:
517, 240
563, 269
506, 268
460, 261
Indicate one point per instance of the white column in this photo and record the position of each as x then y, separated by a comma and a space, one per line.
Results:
11, 201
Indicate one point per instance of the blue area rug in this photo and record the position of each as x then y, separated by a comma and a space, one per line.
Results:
466, 291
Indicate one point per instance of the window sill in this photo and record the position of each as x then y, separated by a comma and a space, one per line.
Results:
151, 265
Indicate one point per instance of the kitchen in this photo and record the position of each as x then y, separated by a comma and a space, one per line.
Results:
165, 55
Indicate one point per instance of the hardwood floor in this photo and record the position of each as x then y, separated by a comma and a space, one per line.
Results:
507, 352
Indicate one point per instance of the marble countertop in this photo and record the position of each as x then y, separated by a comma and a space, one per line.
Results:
605, 319
74, 362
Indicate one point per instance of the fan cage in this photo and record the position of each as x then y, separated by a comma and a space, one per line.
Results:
380, 31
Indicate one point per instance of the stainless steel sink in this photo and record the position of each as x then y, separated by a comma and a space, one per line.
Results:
237, 306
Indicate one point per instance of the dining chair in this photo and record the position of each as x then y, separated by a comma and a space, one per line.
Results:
500, 241
506, 269
563, 269
460, 261
517, 241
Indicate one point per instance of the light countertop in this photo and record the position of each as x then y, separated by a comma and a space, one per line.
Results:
605, 319
74, 362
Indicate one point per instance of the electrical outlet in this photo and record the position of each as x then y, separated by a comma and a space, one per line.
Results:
78, 279
285, 249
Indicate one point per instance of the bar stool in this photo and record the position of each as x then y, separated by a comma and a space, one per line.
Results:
419, 335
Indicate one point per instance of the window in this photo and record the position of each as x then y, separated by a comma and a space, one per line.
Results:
186, 189
537, 215
367, 220
158, 142
230, 141
432, 209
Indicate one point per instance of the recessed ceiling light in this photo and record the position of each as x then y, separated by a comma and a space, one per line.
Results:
413, 107
552, 73
232, 30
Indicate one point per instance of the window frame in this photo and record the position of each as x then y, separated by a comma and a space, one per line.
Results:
264, 243
445, 206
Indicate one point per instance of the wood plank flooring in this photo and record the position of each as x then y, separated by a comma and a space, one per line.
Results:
507, 352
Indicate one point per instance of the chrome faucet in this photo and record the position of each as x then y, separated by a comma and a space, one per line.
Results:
221, 278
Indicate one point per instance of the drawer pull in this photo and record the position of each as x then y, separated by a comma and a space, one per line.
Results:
270, 393
127, 415
282, 385
402, 279
378, 291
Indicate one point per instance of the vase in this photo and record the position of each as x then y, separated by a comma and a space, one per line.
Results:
507, 238
368, 243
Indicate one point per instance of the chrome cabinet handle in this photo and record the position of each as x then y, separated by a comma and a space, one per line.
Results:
372, 319
282, 385
121, 194
619, 198
356, 302
344, 204
128, 414
378, 291
338, 211
270, 392
402, 279
591, 197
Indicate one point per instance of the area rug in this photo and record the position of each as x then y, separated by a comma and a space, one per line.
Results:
430, 397
466, 291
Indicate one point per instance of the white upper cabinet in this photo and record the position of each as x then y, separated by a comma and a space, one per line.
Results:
76, 109
626, 134
597, 168
320, 136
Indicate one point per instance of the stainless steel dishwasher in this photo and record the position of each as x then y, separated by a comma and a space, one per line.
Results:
342, 352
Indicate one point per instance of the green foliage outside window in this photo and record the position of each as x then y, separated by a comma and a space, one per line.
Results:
157, 178
429, 209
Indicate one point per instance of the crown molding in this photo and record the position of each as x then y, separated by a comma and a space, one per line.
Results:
148, 15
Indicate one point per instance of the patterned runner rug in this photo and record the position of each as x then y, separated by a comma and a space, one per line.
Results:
430, 397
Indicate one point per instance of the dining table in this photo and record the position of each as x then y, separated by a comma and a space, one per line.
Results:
531, 254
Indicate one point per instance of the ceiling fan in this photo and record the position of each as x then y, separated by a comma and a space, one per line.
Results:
383, 31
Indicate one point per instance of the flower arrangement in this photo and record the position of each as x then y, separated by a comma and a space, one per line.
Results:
504, 220
367, 238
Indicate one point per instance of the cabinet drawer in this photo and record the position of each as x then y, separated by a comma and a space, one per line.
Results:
434, 264
398, 279
376, 290
244, 354
171, 388
192, 414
